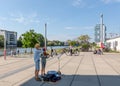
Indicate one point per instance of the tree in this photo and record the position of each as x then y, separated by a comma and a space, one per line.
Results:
19, 42
84, 38
30, 38
40, 39
1, 41
84, 42
68, 41
85, 46
55, 43
50, 43
73, 43
93, 44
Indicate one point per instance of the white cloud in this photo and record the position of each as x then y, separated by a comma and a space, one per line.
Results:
24, 19
48, 20
3, 18
20, 19
71, 33
80, 28
110, 1
69, 28
88, 27
78, 3
34, 21
61, 37
33, 15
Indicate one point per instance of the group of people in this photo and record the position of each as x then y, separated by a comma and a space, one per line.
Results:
98, 51
39, 53
13, 52
73, 50
53, 52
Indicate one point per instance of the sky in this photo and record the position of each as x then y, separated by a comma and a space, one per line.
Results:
66, 19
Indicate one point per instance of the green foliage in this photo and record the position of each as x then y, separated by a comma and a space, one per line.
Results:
107, 50
50, 43
73, 42
84, 38
55, 43
69, 41
19, 42
84, 42
1, 41
40, 39
85, 46
93, 45
97, 47
30, 38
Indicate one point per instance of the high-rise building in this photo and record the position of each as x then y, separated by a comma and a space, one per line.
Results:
100, 34
10, 37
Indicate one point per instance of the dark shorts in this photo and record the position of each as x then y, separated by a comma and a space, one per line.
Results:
43, 64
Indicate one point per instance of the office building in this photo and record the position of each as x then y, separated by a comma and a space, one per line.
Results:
100, 35
10, 37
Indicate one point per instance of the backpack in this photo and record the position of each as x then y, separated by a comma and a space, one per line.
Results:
52, 76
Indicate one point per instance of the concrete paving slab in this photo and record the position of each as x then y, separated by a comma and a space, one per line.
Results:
86, 69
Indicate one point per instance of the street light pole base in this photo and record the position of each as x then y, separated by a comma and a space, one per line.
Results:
5, 54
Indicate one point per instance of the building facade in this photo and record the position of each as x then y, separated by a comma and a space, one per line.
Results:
100, 34
114, 43
10, 38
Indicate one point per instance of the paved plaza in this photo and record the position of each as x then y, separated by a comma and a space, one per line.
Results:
87, 69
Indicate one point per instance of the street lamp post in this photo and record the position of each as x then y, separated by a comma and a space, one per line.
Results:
101, 29
5, 46
45, 36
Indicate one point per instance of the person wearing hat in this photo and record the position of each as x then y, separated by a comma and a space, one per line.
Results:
37, 55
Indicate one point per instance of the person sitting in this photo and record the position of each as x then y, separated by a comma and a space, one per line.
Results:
99, 51
95, 52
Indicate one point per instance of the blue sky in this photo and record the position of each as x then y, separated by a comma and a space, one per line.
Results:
66, 19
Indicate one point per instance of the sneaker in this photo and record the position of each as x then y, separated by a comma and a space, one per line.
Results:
42, 76
38, 79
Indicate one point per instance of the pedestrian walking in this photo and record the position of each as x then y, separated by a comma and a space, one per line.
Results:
51, 52
18, 52
71, 51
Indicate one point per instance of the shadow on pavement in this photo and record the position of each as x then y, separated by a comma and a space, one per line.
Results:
79, 80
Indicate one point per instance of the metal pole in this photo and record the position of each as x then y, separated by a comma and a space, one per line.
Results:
101, 29
101, 44
46, 36
5, 46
